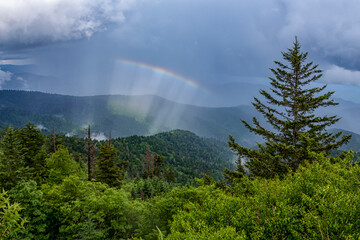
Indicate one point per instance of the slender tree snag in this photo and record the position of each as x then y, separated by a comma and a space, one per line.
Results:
89, 154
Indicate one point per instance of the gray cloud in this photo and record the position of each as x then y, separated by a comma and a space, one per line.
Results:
340, 75
38, 21
242, 38
329, 27
4, 77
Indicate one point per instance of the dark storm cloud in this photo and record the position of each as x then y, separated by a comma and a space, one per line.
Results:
210, 39
219, 44
202, 37
330, 30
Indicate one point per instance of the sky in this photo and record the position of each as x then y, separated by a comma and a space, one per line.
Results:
203, 52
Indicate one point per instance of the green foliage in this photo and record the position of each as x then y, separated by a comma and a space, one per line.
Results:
319, 201
205, 180
150, 187
35, 210
52, 141
206, 233
153, 165
31, 140
296, 130
107, 171
75, 145
61, 165
91, 210
67, 206
169, 175
12, 164
23, 156
18, 116
187, 154
10, 218
158, 165
159, 211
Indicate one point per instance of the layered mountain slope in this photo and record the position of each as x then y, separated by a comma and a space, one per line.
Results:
142, 115
124, 115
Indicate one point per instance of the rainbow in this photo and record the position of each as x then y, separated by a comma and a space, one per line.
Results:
162, 71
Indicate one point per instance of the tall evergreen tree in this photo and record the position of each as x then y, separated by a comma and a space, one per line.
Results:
290, 110
158, 165
32, 142
12, 164
169, 175
107, 170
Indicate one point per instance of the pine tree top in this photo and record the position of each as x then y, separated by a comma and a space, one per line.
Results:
290, 108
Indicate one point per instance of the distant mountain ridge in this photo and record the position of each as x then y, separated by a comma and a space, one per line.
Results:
123, 115
140, 115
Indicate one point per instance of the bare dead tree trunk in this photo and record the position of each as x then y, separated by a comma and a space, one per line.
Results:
54, 138
152, 165
89, 154
142, 195
94, 160
148, 163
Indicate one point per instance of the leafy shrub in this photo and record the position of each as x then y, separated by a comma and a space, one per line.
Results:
319, 201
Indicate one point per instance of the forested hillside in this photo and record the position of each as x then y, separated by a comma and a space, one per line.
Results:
49, 197
184, 153
19, 117
34, 167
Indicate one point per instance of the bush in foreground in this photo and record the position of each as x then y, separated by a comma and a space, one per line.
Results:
320, 201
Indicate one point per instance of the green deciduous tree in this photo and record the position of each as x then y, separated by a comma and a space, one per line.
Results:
319, 201
35, 211
91, 210
61, 165
290, 110
10, 218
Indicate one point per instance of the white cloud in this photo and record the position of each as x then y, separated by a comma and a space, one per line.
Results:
4, 77
41, 127
16, 61
38, 21
339, 75
99, 136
